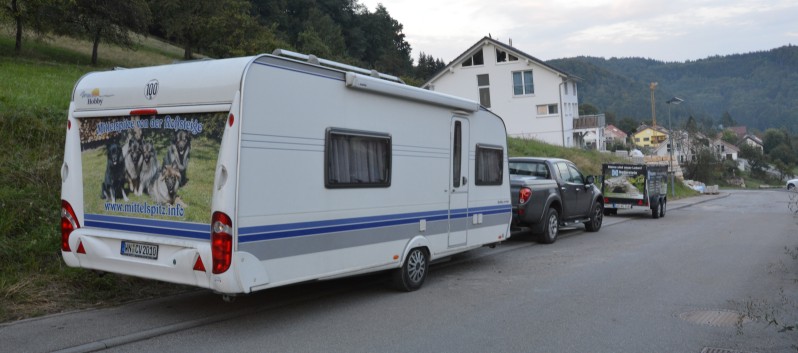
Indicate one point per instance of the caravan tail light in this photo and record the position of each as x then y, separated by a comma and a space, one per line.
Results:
524, 195
69, 222
221, 242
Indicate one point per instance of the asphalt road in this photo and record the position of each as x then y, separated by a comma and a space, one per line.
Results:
675, 284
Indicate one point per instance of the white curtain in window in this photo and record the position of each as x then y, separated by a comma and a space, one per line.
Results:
357, 160
489, 166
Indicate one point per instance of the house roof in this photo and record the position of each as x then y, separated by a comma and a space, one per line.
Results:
657, 128
728, 145
757, 140
615, 131
515, 51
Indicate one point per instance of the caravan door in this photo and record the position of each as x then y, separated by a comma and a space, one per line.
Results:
458, 183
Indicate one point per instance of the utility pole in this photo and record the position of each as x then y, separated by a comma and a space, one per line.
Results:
653, 86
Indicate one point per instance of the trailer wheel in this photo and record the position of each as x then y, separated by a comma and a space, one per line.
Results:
657, 210
596, 218
551, 227
413, 272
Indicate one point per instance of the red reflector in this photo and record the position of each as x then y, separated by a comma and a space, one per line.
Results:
606, 200
640, 202
199, 266
231, 119
69, 222
69, 124
221, 242
81, 249
144, 112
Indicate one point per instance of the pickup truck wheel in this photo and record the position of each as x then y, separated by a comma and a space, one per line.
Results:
662, 206
551, 227
413, 272
596, 218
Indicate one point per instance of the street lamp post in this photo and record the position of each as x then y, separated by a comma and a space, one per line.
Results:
674, 100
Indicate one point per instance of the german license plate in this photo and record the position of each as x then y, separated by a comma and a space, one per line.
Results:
621, 205
145, 251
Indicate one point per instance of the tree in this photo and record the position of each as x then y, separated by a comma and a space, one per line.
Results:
25, 13
773, 138
322, 37
691, 126
729, 136
704, 167
588, 109
756, 160
109, 21
628, 125
727, 121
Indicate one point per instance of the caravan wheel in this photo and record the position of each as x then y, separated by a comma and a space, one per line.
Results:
413, 272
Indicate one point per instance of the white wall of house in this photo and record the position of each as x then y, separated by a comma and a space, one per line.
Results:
520, 112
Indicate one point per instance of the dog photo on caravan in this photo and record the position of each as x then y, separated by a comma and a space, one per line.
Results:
164, 187
177, 153
149, 168
133, 160
114, 181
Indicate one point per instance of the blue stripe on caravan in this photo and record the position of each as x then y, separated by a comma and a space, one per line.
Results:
150, 226
258, 233
336, 222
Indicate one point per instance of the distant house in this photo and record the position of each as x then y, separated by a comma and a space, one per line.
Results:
724, 150
649, 136
589, 132
535, 99
613, 134
753, 141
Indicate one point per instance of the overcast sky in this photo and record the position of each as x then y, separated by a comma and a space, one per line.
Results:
668, 30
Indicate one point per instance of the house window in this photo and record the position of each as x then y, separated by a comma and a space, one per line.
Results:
357, 159
522, 83
489, 167
645, 139
475, 60
547, 109
503, 56
574, 84
566, 88
483, 83
637, 139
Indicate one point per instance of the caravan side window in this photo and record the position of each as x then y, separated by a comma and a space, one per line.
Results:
357, 159
489, 165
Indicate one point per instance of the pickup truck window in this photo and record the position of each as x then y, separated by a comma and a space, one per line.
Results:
536, 169
576, 176
562, 169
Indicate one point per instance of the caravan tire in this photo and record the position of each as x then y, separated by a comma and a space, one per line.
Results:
551, 227
662, 205
413, 272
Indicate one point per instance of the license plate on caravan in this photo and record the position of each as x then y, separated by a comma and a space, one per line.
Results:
146, 251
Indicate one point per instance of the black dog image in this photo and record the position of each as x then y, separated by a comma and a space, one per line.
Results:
113, 184
177, 153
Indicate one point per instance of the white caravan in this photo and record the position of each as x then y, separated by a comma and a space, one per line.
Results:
243, 174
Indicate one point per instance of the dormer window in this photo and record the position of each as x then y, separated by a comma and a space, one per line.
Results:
503, 56
475, 60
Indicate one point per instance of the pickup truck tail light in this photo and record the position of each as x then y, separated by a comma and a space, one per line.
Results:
524, 195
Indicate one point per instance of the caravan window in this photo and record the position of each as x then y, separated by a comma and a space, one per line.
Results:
355, 159
489, 165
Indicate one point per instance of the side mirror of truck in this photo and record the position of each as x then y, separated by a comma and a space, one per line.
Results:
590, 180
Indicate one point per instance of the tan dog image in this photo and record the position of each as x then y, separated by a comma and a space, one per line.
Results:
165, 186
149, 168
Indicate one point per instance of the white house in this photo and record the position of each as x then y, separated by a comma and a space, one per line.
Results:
535, 100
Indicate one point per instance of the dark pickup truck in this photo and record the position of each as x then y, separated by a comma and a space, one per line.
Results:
548, 193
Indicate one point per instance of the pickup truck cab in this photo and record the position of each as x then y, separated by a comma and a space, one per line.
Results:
549, 193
